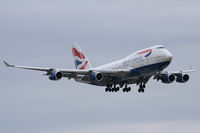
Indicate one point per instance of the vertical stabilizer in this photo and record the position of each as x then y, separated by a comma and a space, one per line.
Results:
80, 60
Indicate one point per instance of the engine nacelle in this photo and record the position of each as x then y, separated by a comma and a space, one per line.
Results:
182, 78
96, 76
167, 78
55, 75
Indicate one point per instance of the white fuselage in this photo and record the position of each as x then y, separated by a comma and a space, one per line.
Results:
158, 55
143, 63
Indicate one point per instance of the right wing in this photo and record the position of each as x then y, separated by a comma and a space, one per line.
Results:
25, 67
72, 73
66, 72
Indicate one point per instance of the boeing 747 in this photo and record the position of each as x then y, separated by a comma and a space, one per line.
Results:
136, 68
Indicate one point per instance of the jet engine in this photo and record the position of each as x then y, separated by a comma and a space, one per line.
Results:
96, 76
55, 75
167, 78
182, 78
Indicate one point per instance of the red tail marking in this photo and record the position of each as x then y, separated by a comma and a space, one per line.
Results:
79, 54
83, 67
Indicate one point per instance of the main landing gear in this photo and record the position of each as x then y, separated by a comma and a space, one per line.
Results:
141, 89
116, 89
113, 88
126, 89
110, 89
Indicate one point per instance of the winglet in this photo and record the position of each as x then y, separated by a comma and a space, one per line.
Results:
8, 65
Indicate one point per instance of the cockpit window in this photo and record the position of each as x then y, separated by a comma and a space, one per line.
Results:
160, 47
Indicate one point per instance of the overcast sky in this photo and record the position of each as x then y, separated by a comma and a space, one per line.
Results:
40, 33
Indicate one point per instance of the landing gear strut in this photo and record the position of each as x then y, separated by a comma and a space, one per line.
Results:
115, 89
126, 89
108, 88
141, 89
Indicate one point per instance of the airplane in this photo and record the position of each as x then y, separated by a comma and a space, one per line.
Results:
136, 68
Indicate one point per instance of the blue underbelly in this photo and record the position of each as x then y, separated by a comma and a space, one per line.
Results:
148, 69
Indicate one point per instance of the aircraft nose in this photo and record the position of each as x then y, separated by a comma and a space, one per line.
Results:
169, 56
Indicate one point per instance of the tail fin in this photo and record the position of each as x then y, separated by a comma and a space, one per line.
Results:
80, 60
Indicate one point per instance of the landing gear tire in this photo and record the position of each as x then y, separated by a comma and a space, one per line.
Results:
117, 89
141, 89
114, 89
124, 90
127, 89
144, 86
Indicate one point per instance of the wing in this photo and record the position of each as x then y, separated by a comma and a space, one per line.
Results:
25, 67
185, 71
159, 75
179, 72
71, 73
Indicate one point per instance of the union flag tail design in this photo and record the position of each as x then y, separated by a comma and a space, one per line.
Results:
80, 60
